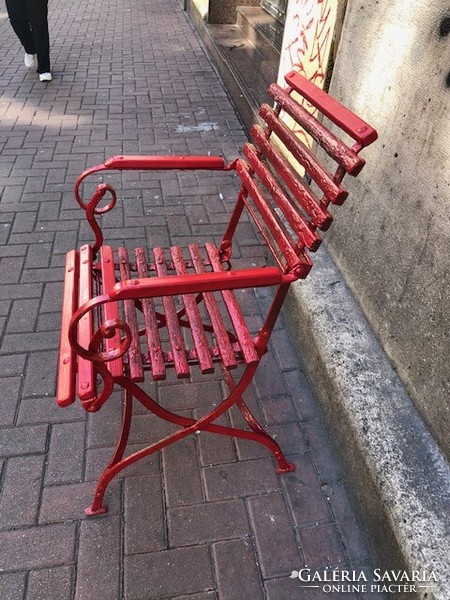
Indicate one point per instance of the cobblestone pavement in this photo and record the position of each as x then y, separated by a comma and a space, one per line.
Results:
208, 518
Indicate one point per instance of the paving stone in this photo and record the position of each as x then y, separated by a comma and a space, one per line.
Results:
12, 586
321, 546
144, 514
240, 479
11, 387
23, 315
37, 547
289, 437
33, 342
66, 453
236, 571
51, 584
215, 449
207, 522
182, 473
304, 493
268, 380
186, 396
350, 533
61, 503
12, 364
302, 397
278, 410
322, 454
15, 441
98, 566
169, 573
21, 489
273, 529
45, 410
98, 458
40, 378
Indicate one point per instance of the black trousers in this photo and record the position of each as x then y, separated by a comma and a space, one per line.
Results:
29, 21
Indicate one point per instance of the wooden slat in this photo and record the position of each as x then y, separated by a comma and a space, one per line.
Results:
333, 191
358, 129
220, 332
334, 147
307, 237
277, 229
320, 217
151, 324
236, 316
87, 387
193, 314
173, 326
65, 394
110, 310
134, 352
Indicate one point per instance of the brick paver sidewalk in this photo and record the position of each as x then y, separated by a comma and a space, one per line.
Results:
208, 518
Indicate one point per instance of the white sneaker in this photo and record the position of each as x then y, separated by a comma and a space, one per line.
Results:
45, 77
29, 60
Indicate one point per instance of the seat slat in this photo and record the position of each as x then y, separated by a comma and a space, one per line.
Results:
110, 310
220, 332
306, 235
173, 326
335, 147
134, 352
236, 316
65, 394
198, 333
87, 387
333, 191
320, 217
151, 323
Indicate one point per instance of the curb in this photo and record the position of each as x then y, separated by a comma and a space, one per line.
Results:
399, 480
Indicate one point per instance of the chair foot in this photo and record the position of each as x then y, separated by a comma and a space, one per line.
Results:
287, 469
91, 512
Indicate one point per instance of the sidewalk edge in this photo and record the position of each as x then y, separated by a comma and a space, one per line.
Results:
399, 480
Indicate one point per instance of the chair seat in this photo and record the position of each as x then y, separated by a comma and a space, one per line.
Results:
168, 332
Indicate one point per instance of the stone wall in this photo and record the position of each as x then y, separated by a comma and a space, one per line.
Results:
393, 245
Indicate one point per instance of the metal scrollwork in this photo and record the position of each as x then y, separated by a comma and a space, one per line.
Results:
96, 352
91, 207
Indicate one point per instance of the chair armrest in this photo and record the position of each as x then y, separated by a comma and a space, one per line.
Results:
155, 163
195, 283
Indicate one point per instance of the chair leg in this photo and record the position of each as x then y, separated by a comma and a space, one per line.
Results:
259, 434
97, 507
187, 426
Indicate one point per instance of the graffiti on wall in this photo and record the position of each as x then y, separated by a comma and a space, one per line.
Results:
307, 43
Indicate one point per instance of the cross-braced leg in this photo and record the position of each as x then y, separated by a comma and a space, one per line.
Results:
188, 426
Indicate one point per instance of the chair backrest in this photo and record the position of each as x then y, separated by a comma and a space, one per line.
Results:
289, 208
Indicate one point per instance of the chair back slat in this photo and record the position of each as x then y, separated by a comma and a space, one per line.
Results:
353, 125
335, 147
281, 236
334, 192
309, 202
307, 237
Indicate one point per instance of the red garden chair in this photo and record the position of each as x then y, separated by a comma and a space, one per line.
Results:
116, 306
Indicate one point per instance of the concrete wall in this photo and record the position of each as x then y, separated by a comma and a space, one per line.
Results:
393, 243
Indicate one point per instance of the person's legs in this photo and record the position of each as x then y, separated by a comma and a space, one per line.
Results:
37, 11
17, 11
